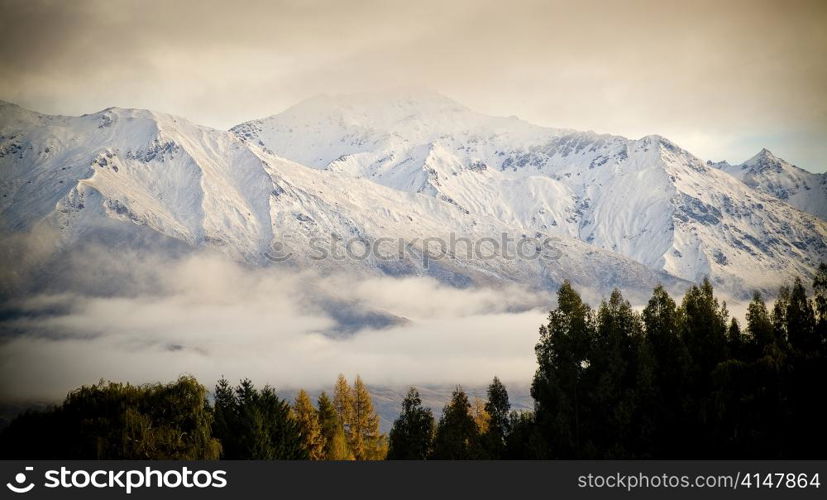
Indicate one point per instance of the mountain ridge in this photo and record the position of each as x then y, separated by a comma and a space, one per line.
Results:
591, 174
772, 175
239, 192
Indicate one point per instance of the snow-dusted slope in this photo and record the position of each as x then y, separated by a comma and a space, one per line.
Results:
133, 170
187, 182
646, 199
769, 174
624, 212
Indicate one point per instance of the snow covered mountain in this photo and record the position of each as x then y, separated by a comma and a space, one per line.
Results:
646, 199
115, 175
769, 174
626, 213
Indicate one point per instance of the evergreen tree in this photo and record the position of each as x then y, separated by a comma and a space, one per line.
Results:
735, 340
808, 364
669, 360
704, 329
562, 356
411, 436
611, 379
523, 440
801, 321
333, 431
313, 441
457, 436
256, 424
498, 408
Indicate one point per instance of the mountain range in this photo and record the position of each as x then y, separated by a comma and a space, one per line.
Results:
410, 166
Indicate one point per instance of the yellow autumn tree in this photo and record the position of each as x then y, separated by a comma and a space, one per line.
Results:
481, 416
313, 441
365, 440
333, 430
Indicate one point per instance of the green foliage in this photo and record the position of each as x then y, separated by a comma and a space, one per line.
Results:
255, 424
562, 356
499, 423
524, 441
679, 382
412, 434
119, 421
457, 436
800, 321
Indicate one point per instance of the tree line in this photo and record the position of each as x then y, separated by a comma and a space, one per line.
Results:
177, 421
671, 381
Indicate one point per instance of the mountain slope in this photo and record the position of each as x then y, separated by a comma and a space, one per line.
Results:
769, 174
132, 170
646, 199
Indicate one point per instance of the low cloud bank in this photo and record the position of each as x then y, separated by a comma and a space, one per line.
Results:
207, 316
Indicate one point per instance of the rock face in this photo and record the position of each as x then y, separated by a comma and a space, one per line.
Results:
612, 211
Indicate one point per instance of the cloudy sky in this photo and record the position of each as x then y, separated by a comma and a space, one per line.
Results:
722, 79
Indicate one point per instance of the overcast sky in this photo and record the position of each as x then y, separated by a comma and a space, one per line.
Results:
722, 79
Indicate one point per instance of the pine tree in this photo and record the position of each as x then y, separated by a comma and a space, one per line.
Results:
256, 424
498, 407
457, 436
307, 417
333, 431
412, 434
224, 411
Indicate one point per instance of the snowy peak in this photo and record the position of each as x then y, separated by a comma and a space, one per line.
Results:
125, 177
769, 174
764, 161
321, 130
647, 199
150, 169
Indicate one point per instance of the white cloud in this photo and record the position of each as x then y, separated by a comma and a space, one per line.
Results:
209, 317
